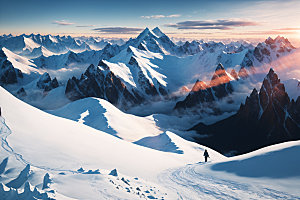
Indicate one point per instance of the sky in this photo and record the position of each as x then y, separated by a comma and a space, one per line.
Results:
196, 19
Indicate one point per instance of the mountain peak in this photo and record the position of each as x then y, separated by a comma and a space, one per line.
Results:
199, 85
220, 67
158, 32
145, 32
220, 76
272, 78
279, 40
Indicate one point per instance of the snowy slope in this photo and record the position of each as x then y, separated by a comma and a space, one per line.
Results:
30, 45
26, 66
268, 173
43, 139
271, 162
102, 115
163, 168
143, 59
292, 87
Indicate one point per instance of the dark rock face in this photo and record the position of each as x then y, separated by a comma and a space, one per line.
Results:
8, 74
21, 93
96, 82
46, 83
190, 48
218, 88
144, 84
110, 51
266, 118
294, 109
243, 73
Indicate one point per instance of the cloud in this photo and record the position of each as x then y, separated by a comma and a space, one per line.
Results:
83, 26
118, 30
160, 16
221, 24
62, 23
272, 32
288, 29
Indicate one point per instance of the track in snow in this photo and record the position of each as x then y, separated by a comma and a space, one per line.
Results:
4, 133
190, 183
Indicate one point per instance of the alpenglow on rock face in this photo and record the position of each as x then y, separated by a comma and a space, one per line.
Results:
267, 117
218, 88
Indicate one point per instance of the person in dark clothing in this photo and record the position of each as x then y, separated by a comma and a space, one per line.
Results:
206, 155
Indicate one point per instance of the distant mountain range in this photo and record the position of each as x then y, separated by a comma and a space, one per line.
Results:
33, 46
146, 69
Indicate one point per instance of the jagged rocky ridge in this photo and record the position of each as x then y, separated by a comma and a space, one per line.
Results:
267, 51
38, 88
46, 83
8, 74
102, 83
219, 87
107, 85
267, 117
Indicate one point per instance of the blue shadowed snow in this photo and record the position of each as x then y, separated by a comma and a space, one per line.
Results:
160, 142
277, 164
21, 179
113, 172
91, 114
3, 165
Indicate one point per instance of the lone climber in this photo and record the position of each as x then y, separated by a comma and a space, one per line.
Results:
206, 155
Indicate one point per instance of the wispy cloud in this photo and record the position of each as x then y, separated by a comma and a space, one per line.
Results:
272, 32
118, 30
222, 24
62, 22
288, 29
83, 26
160, 16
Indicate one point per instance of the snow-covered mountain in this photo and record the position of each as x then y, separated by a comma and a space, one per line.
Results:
15, 69
8, 74
102, 83
267, 52
154, 41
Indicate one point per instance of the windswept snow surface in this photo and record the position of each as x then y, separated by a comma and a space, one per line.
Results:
268, 173
102, 115
30, 45
163, 166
